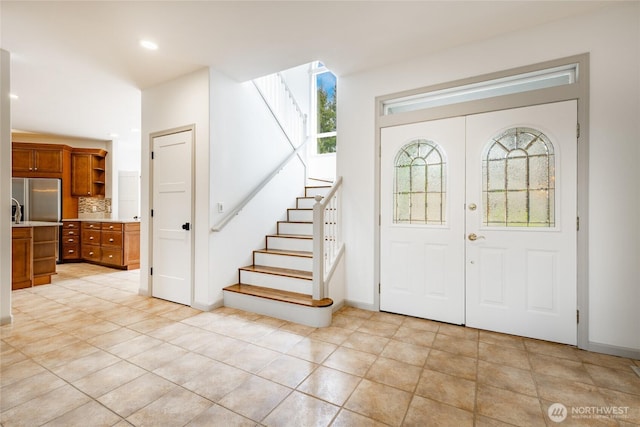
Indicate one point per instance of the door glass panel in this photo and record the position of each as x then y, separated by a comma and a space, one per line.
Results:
419, 191
518, 180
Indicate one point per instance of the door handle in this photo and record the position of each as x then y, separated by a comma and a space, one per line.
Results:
186, 226
473, 237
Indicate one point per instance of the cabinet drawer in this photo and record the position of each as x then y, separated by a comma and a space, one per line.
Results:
112, 226
111, 238
91, 226
71, 251
110, 256
91, 252
68, 232
91, 237
66, 240
69, 225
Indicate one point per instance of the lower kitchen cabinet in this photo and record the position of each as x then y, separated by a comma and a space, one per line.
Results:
21, 257
113, 244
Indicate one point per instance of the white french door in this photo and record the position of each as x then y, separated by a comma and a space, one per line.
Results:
511, 265
171, 222
422, 223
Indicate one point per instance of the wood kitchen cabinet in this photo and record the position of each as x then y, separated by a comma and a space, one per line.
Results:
114, 244
37, 160
45, 242
71, 241
21, 257
88, 172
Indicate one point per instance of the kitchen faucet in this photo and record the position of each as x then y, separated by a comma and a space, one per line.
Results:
18, 216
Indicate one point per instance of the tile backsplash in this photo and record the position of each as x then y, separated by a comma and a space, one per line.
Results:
94, 207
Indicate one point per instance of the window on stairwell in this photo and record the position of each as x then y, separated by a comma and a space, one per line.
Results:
324, 92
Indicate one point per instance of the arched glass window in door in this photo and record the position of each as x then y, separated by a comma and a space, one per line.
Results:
419, 184
518, 180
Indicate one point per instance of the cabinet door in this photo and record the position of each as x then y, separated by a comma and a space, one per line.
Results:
80, 174
22, 160
47, 161
21, 258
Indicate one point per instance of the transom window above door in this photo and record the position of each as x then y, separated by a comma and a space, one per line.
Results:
518, 180
419, 184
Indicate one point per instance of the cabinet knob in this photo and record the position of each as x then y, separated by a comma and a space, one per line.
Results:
110, 256
70, 240
36, 169
111, 227
111, 240
91, 238
71, 233
90, 225
89, 193
71, 225
90, 253
71, 251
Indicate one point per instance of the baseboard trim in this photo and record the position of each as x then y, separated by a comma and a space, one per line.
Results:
614, 350
207, 307
6, 320
363, 306
337, 306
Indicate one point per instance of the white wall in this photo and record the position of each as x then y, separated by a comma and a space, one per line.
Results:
5, 189
611, 36
180, 102
246, 146
237, 144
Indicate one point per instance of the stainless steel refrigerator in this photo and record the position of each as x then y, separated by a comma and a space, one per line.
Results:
40, 198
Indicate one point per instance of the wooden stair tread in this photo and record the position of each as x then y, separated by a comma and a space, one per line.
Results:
291, 236
278, 295
287, 272
303, 254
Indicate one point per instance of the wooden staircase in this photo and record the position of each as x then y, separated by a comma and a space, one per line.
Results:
279, 282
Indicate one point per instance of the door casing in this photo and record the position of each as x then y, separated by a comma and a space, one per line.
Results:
578, 91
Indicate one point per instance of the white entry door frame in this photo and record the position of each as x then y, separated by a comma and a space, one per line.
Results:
578, 90
171, 230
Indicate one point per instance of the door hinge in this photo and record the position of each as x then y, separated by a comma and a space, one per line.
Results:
379, 220
152, 156
151, 212
379, 288
151, 271
577, 130
578, 223
577, 316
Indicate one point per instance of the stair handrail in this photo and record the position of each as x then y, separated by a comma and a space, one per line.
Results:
235, 211
328, 246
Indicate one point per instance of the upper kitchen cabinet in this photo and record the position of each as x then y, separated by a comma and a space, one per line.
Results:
38, 160
88, 172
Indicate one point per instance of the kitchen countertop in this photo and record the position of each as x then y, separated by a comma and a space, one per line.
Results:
100, 220
35, 224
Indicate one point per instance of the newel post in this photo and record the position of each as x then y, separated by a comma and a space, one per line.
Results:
318, 249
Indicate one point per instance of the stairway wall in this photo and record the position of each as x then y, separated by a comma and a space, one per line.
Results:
246, 145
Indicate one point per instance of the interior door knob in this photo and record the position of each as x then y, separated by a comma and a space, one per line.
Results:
186, 226
473, 237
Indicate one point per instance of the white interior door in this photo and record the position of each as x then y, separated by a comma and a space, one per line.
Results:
172, 213
522, 177
422, 220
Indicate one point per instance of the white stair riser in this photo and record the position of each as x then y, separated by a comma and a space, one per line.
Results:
289, 244
274, 281
300, 215
305, 203
301, 228
316, 317
283, 261
313, 191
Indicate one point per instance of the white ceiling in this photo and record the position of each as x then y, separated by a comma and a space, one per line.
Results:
78, 69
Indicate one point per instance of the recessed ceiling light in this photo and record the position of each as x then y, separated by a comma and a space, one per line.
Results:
13, 96
147, 44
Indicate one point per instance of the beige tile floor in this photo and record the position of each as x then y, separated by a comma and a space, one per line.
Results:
88, 351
